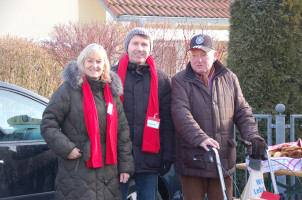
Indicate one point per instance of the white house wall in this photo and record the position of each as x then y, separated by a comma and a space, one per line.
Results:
34, 19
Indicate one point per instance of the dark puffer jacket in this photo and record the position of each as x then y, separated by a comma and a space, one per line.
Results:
136, 98
63, 128
198, 115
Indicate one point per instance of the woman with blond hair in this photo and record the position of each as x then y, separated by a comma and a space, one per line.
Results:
85, 126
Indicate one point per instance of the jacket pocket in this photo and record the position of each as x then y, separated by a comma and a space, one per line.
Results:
193, 158
86, 151
232, 153
69, 165
153, 159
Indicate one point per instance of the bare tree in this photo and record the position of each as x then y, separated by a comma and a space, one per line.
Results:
37, 65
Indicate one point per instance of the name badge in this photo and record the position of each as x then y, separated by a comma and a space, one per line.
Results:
153, 122
109, 109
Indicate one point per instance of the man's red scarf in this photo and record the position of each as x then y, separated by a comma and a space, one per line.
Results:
92, 124
151, 142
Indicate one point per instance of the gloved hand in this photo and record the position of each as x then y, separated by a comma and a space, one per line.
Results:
165, 166
258, 148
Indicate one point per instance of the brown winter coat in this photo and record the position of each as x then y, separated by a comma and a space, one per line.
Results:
63, 128
199, 114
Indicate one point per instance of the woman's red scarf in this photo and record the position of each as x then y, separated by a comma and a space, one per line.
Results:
92, 124
151, 142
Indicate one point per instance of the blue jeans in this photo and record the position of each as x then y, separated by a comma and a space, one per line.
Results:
146, 186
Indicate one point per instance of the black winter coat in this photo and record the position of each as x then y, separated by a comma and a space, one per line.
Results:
63, 128
136, 98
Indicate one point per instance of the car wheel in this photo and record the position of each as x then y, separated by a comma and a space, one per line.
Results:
133, 196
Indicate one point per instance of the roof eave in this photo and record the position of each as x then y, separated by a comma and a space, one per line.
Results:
108, 10
159, 19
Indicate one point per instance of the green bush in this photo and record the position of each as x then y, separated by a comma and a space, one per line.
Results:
265, 51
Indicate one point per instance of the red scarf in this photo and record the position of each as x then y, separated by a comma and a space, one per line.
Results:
92, 124
151, 142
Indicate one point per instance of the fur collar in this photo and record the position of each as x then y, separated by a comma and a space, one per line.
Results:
72, 76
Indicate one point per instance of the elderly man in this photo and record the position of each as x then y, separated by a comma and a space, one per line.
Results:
147, 104
206, 102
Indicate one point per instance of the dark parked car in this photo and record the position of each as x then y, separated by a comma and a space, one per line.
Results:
27, 166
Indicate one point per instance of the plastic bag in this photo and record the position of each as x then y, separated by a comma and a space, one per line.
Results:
255, 185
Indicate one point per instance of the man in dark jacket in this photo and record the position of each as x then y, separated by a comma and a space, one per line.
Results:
206, 102
146, 100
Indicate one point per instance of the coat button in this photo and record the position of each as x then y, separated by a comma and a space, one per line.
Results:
106, 182
213, 103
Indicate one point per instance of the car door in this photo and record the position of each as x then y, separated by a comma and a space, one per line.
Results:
27, 166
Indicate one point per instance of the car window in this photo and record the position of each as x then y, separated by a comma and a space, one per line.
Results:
20, 117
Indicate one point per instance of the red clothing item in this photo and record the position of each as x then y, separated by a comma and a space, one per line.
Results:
92, 124
151, 141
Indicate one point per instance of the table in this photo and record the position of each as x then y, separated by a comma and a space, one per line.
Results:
279, 172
